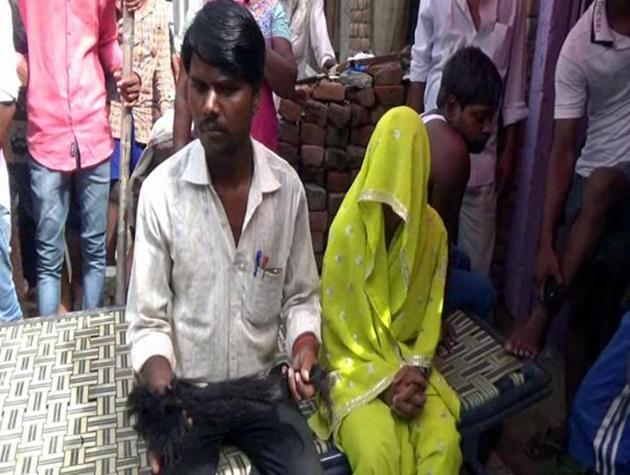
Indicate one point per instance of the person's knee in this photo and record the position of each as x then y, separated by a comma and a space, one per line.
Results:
370, 451
306, 463
443, 450
451, 441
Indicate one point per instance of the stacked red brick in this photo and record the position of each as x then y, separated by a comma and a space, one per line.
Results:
326, 137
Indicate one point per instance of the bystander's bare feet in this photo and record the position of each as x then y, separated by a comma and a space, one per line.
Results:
527, 338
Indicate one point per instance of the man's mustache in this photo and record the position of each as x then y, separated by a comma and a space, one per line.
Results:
212, 126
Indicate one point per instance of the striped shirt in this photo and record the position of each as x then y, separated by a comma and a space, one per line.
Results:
151, 58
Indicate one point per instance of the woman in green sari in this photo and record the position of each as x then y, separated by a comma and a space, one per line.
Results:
382, 294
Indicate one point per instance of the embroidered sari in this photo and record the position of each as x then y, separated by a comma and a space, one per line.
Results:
382, 307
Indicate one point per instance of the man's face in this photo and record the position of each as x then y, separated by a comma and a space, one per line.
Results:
475, 122
222, 107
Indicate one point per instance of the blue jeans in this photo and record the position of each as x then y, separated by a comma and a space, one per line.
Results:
467, 290
51, 199
9, 305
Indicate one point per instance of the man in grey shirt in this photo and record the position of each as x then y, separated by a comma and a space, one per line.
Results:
223, 254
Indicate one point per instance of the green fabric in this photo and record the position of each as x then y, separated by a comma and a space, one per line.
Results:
382, 308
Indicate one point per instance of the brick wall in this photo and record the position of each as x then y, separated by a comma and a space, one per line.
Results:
325, 138
360, 31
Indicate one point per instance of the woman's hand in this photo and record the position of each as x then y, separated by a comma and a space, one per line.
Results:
405, 396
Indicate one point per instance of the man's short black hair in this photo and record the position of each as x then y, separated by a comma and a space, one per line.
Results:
471, 78
225, 35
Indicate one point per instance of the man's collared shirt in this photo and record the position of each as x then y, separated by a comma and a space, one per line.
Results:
71, 45
593, 78
309, 35
211, 308
446, 26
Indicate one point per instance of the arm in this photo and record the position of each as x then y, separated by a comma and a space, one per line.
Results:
109, 50
421, 56
149, 333
164, 83
6, 115
183, 118
570, 107
301, 309
280, 66
9, 82
559, 176
320, 39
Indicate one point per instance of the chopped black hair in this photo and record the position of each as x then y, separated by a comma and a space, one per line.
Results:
215, 408
471, 78
225, 35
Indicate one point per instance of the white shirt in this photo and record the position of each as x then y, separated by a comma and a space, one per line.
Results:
593, 78
9, 87
309, 35
198, 300
445, 26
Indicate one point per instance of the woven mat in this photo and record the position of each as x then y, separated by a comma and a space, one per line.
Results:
64, 383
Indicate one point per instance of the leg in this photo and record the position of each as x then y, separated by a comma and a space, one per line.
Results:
470, 292
278, 442
600, 422
372, 438
9, 305
51, 198
199, 457
92, 186
477, 227
604, 188
435, 438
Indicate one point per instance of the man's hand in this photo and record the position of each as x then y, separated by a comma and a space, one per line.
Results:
547, 265
328, 65
134, 5
157, 375
405, 396
128, 88
299, 373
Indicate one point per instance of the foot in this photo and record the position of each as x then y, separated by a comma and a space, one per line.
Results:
527, 338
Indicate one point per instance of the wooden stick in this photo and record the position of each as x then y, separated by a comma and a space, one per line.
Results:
125, 160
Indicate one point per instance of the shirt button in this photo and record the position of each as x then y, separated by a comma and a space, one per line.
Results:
242, 266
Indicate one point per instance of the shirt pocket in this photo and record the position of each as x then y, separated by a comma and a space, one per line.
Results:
263, 297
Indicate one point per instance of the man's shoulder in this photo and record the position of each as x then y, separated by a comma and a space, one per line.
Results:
281, 169
170, 170
578, 45
452, 145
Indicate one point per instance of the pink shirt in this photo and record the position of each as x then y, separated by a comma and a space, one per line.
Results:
71, 45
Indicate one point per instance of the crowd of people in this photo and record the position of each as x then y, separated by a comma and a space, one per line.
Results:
223, 265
